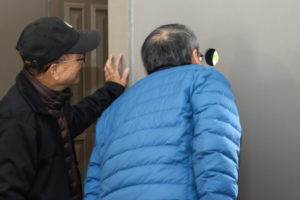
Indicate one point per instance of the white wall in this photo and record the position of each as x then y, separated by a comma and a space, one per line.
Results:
14, 16
258, 42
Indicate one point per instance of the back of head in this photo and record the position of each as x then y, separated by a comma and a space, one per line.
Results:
168, 46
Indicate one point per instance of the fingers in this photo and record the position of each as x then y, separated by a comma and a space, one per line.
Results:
125, 76
106, 74
109, 61
113, 73
117, 63
109, 69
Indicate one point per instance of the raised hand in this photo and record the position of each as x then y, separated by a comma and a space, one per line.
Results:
112, 71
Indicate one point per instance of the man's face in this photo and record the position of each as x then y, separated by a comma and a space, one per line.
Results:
69, 67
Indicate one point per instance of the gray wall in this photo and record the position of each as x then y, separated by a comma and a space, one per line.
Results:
258, 42
14, 16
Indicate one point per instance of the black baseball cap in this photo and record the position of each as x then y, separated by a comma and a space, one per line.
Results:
48, 38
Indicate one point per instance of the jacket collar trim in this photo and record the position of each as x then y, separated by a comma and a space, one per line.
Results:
30, 95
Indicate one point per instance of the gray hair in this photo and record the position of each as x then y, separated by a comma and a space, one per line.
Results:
168, 46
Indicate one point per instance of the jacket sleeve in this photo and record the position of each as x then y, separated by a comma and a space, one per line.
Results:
92, 182
18, 159
90, 108
216, 138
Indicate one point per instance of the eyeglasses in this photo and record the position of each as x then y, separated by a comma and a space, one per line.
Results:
200, 56
73, 60
65, 61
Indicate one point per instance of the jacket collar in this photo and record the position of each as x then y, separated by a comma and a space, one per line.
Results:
30, 95
54, 100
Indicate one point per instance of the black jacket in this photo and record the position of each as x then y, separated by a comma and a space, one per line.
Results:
32, 162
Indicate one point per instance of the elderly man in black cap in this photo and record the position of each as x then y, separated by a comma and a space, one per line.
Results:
37, 123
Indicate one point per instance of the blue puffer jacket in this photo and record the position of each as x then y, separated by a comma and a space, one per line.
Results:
174, 135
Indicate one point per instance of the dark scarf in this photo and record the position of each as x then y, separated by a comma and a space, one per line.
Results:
54, 102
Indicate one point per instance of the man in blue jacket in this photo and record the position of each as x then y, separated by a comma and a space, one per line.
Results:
174, 134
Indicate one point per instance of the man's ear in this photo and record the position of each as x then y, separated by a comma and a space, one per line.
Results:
195, 59
53, 71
